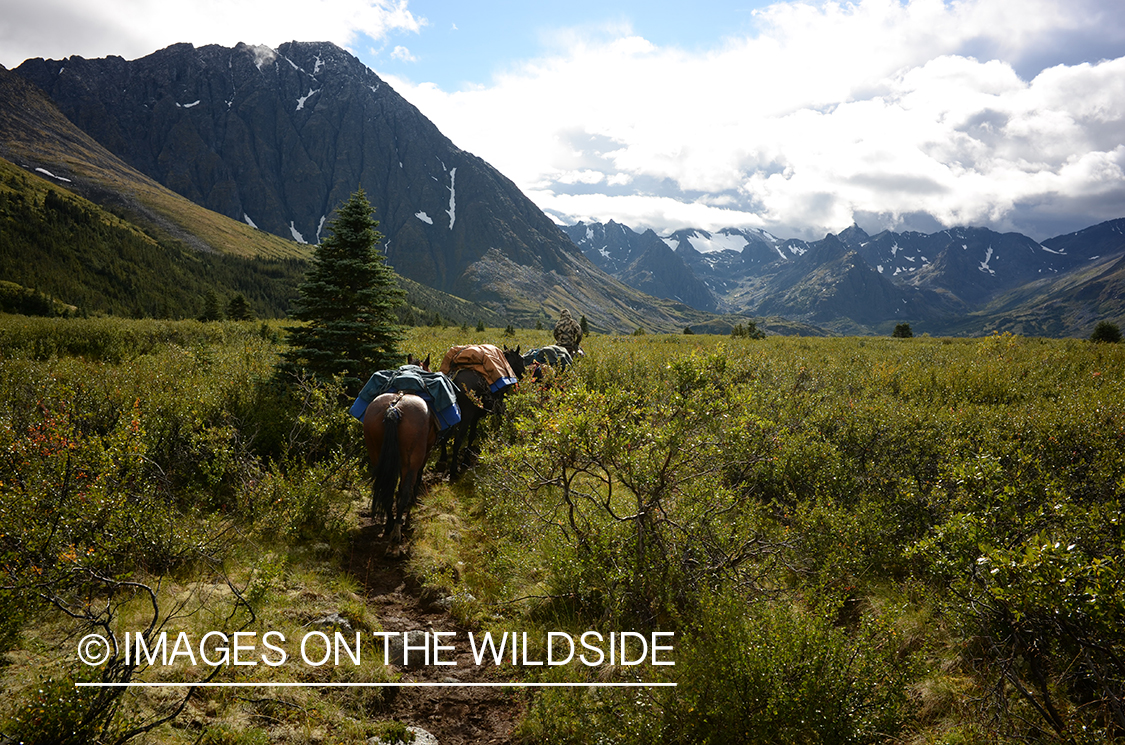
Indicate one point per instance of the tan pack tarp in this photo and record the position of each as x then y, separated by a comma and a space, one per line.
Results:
486, 359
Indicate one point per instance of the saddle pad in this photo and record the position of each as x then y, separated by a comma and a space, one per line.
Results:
552, 355
436, 389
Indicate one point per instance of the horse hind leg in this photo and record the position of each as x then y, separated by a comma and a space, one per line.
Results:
443, 455
458, 443
407, 521
387, 471
402, 513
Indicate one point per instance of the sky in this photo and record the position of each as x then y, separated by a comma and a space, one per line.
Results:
799, 118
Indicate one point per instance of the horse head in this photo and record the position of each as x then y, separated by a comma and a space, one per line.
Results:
515, 361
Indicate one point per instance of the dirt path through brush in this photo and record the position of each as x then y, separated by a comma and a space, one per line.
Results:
454, 715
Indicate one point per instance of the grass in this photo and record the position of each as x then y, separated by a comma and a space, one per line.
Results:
808, 510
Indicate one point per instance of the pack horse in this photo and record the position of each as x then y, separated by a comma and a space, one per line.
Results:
402, 412
482, 375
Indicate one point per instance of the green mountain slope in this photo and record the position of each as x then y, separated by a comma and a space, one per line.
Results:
36, 136
71, 249
1069, 305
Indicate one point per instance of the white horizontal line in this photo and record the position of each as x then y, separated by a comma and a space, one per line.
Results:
375, 685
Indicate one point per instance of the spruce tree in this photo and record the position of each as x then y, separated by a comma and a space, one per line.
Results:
347, 301
212, 309
238, 309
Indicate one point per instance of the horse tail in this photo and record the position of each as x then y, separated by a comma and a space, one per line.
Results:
387, 469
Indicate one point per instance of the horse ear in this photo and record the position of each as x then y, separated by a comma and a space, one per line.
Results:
426, 364
518, 348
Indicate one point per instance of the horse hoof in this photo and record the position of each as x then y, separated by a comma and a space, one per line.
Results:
396, 552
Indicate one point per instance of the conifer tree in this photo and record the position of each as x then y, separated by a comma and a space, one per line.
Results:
212, 310
238, 309
347, 300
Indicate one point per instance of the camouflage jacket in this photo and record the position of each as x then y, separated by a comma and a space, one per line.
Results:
568, 334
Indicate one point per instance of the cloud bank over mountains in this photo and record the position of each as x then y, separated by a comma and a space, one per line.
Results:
899, 115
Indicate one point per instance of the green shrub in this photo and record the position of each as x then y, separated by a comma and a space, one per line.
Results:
770, 672
1106, 332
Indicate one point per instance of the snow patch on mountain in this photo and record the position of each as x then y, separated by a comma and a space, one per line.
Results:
45, 172
302, 99
452, 211
296, 233
984, 267
717, 242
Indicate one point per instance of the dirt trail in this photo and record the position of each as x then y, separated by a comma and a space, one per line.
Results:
454, 715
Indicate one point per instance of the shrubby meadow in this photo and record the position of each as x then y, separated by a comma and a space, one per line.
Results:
854, 540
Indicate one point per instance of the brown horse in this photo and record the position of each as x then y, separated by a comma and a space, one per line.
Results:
399, 432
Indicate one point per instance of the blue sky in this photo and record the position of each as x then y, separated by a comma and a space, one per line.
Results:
799, 117
463, 43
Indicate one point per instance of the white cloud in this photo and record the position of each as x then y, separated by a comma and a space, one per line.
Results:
636, 211
402, 54
580, 177
134, 28
878, 107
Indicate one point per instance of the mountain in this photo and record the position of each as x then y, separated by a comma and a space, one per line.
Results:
78, 224
1071, 303
831, 285
1090, 243
642, 261
244, 152
962, 280
277, 138
974, 263
717, 258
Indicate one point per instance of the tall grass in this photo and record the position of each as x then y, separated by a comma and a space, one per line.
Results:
827, 492
854, 540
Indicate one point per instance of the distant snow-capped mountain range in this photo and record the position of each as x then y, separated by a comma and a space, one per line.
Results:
938, 278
